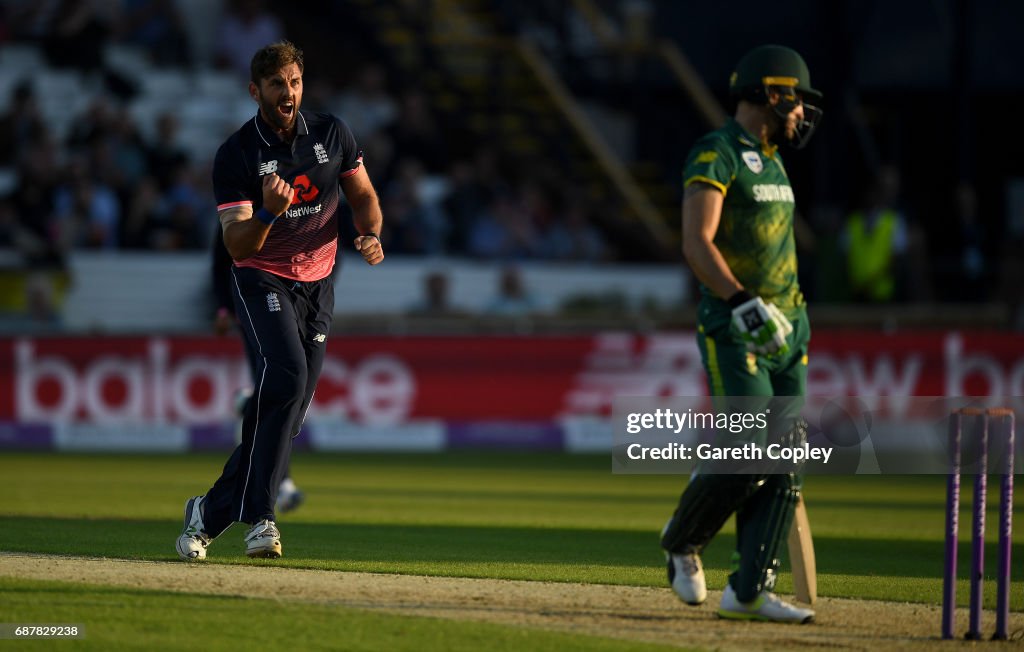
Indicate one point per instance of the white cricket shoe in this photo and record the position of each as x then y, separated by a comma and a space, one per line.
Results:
193, 540
767, 607
288, 499
289, 496
686, 575
241, 400
263, 540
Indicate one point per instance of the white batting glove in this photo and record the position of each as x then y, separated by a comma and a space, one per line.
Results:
762, 327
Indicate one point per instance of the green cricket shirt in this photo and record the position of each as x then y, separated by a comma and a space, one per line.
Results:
755, 233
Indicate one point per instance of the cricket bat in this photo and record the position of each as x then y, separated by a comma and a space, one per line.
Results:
801, 556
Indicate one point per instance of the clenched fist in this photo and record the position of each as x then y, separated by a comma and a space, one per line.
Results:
277, 194
369, 247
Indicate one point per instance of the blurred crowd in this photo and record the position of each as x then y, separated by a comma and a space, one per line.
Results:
106, 186
107, 182
883, 251
476, 206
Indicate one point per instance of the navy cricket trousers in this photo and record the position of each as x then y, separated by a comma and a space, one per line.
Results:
285, 324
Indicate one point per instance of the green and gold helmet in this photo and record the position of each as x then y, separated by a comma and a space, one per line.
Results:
778, 69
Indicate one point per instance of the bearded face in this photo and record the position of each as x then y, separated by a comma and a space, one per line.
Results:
279, 97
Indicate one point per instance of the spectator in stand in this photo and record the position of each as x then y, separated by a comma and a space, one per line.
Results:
178, 230
165, 156
572, 236
492, 172
37, 176
42, 275
116, 160
131, 152
973, 280
416, 224
77, 33
512, 299
97, 123
6, 23
41, 297
537, 203
21, 124
367, 103
435, 301
184, 225
14, 235
876, 240
245, 27
156, 26
1011, 263
467, 199
502, 232
384, 162
564, 233
28, 19
87, 213
10, 227
416, 134
142, 215
822, 271
119, 157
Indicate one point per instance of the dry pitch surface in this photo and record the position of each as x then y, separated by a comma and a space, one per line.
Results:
622, 612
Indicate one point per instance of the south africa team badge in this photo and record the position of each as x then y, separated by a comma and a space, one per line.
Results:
753, 161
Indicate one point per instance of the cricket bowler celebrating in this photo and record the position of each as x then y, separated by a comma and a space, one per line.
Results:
277, 181
753, 331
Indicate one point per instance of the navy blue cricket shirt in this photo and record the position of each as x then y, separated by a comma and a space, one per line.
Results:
303, 242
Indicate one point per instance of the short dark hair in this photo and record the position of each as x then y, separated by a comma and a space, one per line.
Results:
272, 58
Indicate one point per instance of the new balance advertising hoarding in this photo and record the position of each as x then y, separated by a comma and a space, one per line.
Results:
429, 393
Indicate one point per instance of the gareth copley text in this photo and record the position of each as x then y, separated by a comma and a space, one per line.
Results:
708, 452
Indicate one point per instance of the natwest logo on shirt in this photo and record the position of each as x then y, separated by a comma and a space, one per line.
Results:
304, 210
304, 190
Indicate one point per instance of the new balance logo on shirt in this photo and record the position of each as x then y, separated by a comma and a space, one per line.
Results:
319, 337
268, 168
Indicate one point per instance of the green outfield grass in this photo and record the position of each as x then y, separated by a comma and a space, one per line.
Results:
519, 516
123, 619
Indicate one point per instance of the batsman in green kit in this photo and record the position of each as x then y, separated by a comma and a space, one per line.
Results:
753, 333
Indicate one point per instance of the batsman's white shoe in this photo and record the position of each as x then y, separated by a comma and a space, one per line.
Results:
263, 540
289, 496
767, 607
193, 540
242, 396
288, 500
686, 575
